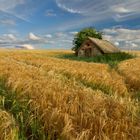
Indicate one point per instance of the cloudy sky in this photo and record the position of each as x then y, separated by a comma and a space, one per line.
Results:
52, 24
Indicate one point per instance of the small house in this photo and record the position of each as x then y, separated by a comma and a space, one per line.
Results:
93, 47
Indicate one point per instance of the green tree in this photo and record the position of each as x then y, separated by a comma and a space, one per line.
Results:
81, 36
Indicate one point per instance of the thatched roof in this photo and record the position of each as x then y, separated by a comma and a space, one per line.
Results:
104, 46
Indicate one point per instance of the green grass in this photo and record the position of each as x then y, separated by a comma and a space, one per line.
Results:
29, 126
136, 95
111, 59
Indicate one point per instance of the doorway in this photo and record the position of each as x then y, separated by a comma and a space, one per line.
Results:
88, 52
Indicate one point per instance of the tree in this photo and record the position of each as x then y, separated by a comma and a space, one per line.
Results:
83, 35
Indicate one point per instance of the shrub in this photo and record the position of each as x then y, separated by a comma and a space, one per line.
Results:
83, 35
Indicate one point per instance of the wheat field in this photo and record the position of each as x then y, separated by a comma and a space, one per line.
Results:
46, 98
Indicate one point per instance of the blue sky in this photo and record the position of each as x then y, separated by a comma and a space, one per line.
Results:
52, 24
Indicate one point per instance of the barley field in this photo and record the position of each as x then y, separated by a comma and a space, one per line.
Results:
43, 97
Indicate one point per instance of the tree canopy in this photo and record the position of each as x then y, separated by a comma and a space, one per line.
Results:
82, 35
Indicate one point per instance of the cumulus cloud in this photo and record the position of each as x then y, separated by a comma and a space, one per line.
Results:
48, 36
124, 38
59, 40
121, 37
117, 43
134, 45
8, 40
33, 37
25, 46
10, 37
11, 41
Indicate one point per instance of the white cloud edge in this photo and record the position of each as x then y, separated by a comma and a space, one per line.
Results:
121, 37
124, 38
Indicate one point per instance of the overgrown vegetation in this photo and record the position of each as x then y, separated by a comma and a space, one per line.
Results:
111, 59
81, 36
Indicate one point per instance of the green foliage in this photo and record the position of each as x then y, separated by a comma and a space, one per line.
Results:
83, 35
136, 94
111, 59
26, 120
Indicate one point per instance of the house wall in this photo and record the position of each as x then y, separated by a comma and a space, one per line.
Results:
87, 45
81, 53
95, 51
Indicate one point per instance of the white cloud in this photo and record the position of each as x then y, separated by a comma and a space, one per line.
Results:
117, 43
92, 11
33, 37
9, 8
60, 40
8, 22
11, 40
73, 33
25, 46
60, 34
66, 41
8, 40
121, 37
120, 10
108, 37
5, 5
68, 9
48, 36
134, 45
19, 9
10, 36
124, 38
50, 13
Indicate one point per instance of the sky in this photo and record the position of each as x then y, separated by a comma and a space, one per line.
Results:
52, 24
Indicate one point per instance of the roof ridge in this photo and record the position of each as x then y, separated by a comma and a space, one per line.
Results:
104, 45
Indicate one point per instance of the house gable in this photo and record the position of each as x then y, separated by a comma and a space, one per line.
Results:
93, 46
89, 49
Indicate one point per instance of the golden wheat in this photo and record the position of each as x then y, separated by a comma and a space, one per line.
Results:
8, 128
67, 107
89, 73
130, 69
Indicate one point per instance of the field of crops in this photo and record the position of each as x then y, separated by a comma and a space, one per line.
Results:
46, 98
